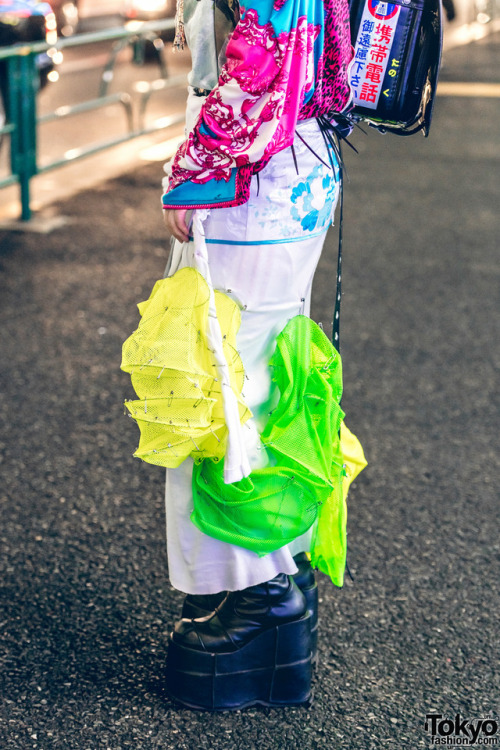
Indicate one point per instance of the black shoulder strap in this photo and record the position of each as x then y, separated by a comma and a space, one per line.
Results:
335, 131
338, 292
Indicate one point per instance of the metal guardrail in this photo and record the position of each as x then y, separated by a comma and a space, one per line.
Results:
21, 105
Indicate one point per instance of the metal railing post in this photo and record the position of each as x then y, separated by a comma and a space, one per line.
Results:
19, 69
29, 85
12, 111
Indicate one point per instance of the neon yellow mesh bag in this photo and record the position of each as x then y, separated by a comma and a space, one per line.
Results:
179, 408
305, 471
328, 546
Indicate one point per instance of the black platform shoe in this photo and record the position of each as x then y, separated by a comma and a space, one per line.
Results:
255, 648
201, 605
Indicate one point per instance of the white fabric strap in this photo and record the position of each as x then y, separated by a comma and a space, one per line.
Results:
236, 463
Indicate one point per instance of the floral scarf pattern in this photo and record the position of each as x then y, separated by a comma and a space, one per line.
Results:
280, 67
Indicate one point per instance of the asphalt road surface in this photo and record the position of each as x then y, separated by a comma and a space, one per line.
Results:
85, 599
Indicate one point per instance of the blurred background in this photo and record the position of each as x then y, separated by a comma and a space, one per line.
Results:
91, 93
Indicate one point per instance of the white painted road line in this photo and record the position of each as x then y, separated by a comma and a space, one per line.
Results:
481, 90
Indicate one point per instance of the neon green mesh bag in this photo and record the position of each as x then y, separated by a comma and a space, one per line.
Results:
304, 475
179, 408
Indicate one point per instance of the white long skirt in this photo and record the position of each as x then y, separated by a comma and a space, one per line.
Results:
264, 255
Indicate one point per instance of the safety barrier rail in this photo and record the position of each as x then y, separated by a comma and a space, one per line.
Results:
22, 120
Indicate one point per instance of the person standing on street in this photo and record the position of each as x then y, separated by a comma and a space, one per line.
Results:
249, 197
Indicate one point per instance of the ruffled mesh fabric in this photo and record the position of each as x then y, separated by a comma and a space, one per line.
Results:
328, 547
281, 501
310, 457
179, 408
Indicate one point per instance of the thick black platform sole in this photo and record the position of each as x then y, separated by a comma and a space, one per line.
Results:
311, 597
274, 669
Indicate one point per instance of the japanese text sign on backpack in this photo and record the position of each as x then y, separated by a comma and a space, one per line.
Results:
396, 63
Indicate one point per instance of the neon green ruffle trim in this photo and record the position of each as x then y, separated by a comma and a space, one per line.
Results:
306, 474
